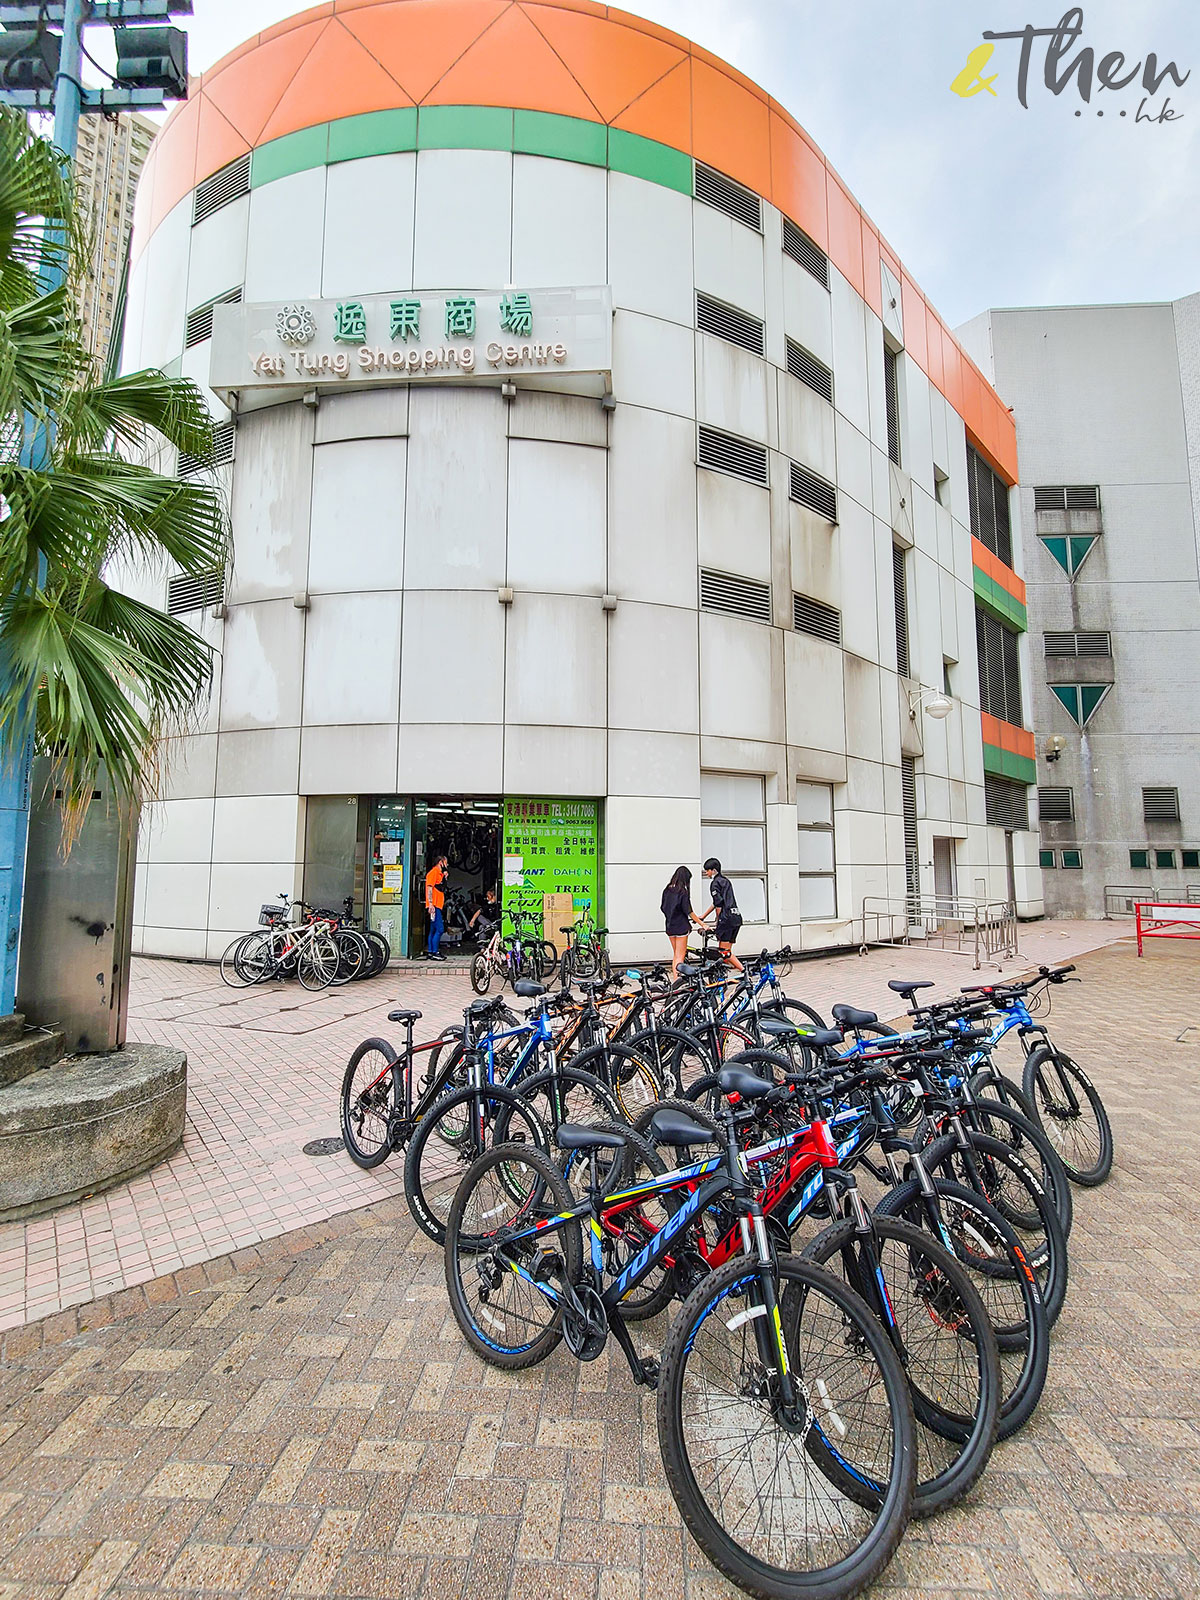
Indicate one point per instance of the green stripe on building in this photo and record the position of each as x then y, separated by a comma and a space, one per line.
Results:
539, 133
1006, 608
1006, 764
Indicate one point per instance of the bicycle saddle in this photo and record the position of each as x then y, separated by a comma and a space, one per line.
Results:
746, 1085
480, 1008
575, 1136
902, 987
404, 1016
687, 969
677, 1128
814, 1038
527, 989
850, 1018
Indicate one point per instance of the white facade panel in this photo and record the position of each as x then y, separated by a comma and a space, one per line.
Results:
463, 219
283, 253
368, 245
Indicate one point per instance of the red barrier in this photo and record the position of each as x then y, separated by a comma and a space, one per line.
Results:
1162, 925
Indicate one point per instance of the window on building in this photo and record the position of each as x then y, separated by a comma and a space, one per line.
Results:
999, 668
1046, 858
1160, 805
1056, 804
900, 598
733, 827
1165, 859
1072, 860
1190, 859
1139, 860
1006, 803
1079, 700
988, 497
814, 820
891, 382
947, 685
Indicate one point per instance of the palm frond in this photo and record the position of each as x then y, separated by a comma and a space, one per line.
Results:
37, 215
125, 409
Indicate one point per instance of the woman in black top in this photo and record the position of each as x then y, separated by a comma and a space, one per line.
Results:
729, 918
677, 913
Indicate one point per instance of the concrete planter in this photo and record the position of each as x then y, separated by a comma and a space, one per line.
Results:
88, 1123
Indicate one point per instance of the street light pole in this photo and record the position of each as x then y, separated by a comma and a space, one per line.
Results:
68, 89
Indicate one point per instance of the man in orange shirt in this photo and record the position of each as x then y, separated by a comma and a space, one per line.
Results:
435, 899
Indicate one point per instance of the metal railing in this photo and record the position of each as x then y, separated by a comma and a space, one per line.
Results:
1120, 899
982, 929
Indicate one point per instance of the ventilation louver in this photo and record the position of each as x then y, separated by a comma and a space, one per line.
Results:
815, 617
734, 595
727, 452
727, 322
807, 489
715, 189
200, 321
230, 184
809, 370
805, 253
190, 591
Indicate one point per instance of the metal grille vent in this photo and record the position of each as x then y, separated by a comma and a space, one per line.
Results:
222, 452
912, 860
891, 384
727, 322
809, 370
805, 253
988, 495
1067, 497
1056, 805
735, 595
900, 594
231, 183
200, 321
715, 189
1160, 805
999, 669
815, 617
190, 591
1078, 644
726, 452
807, 489
1006, 804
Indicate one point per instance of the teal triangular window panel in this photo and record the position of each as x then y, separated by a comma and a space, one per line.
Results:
1058, 549
1081, 547
1068, 694
1090, 696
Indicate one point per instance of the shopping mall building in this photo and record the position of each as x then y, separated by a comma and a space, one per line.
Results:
605, 494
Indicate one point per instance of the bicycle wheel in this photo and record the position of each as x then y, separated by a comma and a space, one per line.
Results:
317, 964
985, 1244
353, 955
567, 1095
369, 1095
625, 1072
767, 1498
381, 952
481, 973
256, 958
988, 1083
948, 1349
434, 1164
1027, 1141
492, 1281
629, 1221
1071, 1114
231, 973
991, 1170
676, 1057
549, 959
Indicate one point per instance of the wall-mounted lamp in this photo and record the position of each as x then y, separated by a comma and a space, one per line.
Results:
936, 704
1054, 747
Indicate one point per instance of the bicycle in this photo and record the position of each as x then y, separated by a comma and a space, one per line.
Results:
503, 956
784, 1418
585, 955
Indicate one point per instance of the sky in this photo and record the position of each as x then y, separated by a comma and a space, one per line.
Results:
987, 202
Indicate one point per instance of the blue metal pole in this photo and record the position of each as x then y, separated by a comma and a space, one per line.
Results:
16, 764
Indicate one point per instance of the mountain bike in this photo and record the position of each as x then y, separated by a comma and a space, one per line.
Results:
784, 1418
585, 955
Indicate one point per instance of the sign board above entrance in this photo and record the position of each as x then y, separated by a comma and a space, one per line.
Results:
544, 338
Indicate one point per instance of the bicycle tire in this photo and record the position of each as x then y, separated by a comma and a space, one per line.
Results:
353, 955
1044, 1244
256, 959
1039, 1088
481, 973
928, 1288
874, 1531
988, 1084
361, 1152
591, 1100
229, 961
465, 1254
672, 1053
382, 951
978, 1234
996, 1116
317, 963
629, 1076
429, 1190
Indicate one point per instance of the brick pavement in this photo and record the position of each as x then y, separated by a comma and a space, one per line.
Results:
301, 1417
264, 1071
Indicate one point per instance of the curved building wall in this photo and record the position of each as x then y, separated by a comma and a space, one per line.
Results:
365, 646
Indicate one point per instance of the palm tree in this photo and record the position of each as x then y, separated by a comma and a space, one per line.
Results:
92, 674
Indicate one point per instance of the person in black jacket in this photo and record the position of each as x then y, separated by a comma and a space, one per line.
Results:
678, 915
724, 904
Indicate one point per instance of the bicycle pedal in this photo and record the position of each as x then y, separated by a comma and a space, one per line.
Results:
650, 1370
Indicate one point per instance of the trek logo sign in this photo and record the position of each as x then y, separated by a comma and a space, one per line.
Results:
1064, 67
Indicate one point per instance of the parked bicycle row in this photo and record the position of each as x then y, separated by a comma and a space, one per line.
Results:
523, 953
590, 1163
295, 940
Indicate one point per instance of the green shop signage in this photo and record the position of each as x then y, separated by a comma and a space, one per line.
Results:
551, 847
428, 334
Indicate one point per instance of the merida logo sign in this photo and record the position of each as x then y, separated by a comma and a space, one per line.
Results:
1067, 66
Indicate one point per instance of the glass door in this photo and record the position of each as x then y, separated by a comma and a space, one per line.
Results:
389, 870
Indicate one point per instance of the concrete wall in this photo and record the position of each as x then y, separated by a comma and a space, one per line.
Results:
1110, 395
401, 513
